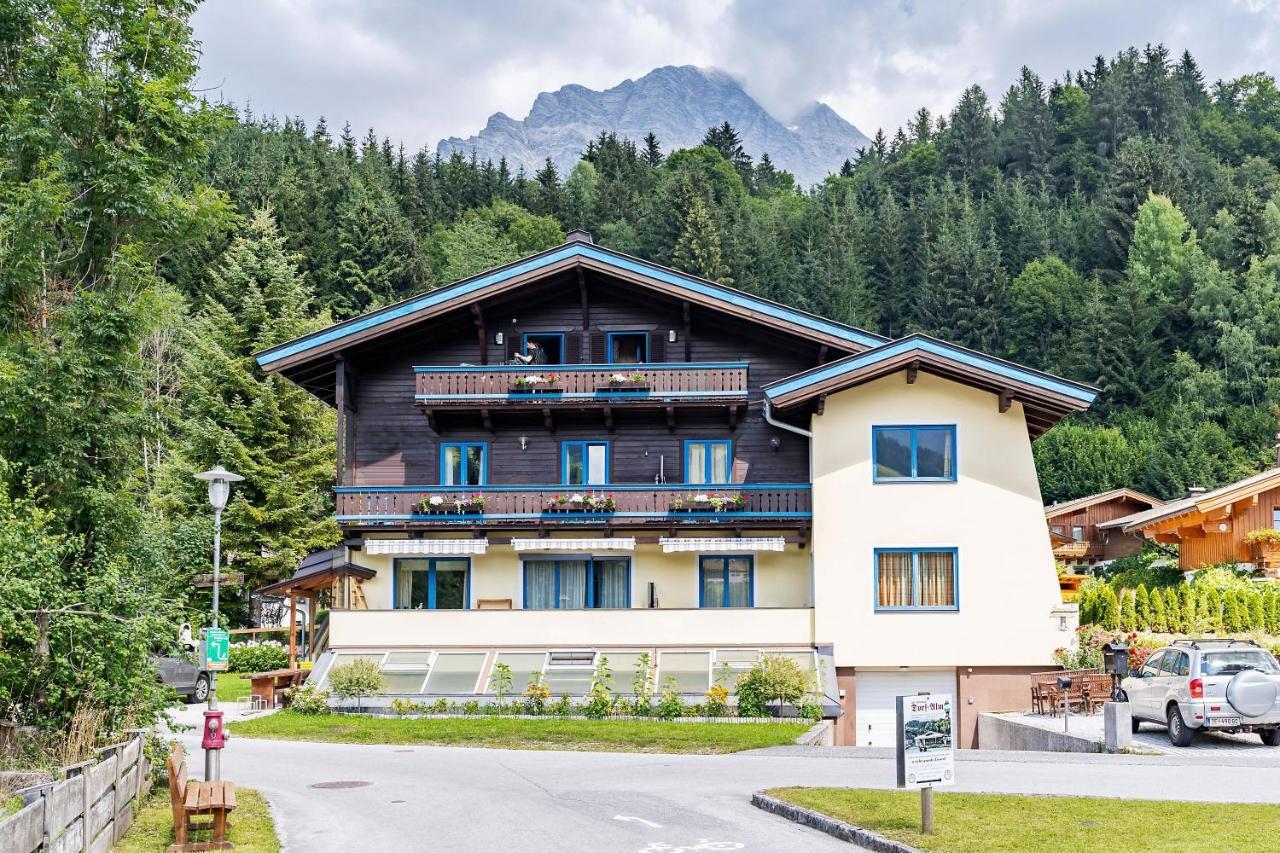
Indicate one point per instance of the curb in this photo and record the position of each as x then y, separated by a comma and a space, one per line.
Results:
856, 835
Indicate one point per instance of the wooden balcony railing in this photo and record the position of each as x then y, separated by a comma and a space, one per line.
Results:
554, 505
640, 383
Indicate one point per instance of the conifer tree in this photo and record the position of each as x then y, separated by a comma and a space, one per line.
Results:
1142, 608
1128, 614
698, 250
1159, 620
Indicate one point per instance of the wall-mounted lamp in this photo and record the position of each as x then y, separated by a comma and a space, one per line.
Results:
775, 443
524, 442
498, 338
671, 336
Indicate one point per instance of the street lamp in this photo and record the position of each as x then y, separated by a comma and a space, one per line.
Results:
219, 480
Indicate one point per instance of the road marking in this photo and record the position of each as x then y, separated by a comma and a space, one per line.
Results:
647, 823
702, 844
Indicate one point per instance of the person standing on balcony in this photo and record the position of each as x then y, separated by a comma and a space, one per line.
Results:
533, 354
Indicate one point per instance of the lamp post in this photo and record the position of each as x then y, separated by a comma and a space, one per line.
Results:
219, 480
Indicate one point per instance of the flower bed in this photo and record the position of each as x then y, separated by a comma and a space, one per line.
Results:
451, 505
580, 503
710, 503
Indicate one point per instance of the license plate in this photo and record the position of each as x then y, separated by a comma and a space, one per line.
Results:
1224, 721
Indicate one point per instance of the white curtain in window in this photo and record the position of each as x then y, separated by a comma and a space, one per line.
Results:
697, 464
597, 456
573, 583
405, 572
720, 463
540, 585
612, 579
739, 582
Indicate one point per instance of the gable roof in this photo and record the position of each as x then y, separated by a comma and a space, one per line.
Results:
1055, 510
1202, 503
576, 254
1046, 398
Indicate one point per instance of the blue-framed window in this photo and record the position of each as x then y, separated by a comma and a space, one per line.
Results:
726, 581
577, 583
464, 463
627, 347
914, 453
584, 463
917, 579
551, 343
431, 583
708, 461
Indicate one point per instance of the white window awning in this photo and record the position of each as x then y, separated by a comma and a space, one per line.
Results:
726, 545
426, 546
610, 544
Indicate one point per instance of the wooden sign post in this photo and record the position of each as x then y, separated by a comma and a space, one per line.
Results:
925, 751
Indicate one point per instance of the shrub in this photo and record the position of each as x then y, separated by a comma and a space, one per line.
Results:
440, 706
309, 699
500, 682
642, 686
403, 707
809, 709
717, 701
1142, 608
563, 707
670, 705
1159, 621
536, 695
599, 699
470, 708
256, 656
773, 678
355, 680
1128, 613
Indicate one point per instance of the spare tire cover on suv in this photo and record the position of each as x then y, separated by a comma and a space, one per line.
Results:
1251, 693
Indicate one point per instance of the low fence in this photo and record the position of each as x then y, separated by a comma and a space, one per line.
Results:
89, 810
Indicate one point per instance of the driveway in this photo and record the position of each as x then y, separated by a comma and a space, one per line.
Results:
456, 799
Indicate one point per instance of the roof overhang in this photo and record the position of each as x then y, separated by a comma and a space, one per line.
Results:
1210, 508
1067, 507
1045, 398
570, 256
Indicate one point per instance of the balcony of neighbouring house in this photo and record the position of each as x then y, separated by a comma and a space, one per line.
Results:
442, 507
637, 627
557, 385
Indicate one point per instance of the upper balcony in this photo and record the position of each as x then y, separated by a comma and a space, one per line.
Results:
443, 507
550, 385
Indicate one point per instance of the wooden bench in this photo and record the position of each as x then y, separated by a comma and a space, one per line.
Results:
195, 799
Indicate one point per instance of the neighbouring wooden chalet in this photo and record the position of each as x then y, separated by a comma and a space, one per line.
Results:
1082, 531
1233, 524
582, 453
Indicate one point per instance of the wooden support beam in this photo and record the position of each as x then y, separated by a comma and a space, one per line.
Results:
733, 418
688, 335
477, 317
487, 420
431, 420
293, 630
913, 372
1216, 526
608, 418
1193, 532
822, 404
340, 403
546, 419
822, 354
1006, 400
671, 418
1242, 506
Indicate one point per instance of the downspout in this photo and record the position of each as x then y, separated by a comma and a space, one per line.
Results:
767, 412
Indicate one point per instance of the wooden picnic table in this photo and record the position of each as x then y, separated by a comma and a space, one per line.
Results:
266, 686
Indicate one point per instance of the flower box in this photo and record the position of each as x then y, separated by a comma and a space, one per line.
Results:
1264, 547
709, 503
536, 384
626, 382
438, 505
566, 504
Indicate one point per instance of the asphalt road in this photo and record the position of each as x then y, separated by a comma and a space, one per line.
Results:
455, 799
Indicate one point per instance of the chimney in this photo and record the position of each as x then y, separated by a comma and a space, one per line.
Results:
1195, 491
578, 235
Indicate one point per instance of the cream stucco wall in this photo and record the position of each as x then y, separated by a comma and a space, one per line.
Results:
781, 578
993, 514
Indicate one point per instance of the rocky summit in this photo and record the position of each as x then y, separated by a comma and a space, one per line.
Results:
678, 104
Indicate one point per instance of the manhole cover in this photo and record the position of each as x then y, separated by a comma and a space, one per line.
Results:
347, 783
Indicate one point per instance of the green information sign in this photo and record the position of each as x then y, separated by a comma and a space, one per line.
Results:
217, 644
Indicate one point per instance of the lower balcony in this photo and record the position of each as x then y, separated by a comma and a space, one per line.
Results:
634, 627
442, 507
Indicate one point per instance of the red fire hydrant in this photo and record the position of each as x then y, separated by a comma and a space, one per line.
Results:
214, 736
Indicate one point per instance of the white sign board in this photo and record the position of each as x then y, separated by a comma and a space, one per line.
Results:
926, 750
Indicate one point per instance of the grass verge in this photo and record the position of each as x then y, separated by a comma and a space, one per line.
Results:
251, 826
232, 687
980, 823
550, 733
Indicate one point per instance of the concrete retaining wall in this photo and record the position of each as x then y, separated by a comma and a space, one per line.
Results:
997, 732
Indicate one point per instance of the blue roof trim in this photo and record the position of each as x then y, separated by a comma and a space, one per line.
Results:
465, 287
920, 344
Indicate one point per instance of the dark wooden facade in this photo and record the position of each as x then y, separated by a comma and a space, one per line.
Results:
396, 410
1077, 536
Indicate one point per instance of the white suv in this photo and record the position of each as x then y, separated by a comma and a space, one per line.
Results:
1213, 685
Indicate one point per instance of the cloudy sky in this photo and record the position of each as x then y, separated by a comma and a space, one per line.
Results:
419, 70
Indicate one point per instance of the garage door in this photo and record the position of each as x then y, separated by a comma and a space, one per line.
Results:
875, 695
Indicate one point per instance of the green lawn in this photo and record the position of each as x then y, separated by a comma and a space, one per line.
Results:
979, 823
550, 733
251, 828
232, 687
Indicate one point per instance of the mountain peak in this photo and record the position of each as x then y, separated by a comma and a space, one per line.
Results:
677, 103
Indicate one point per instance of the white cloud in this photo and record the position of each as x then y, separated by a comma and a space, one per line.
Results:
421, 71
